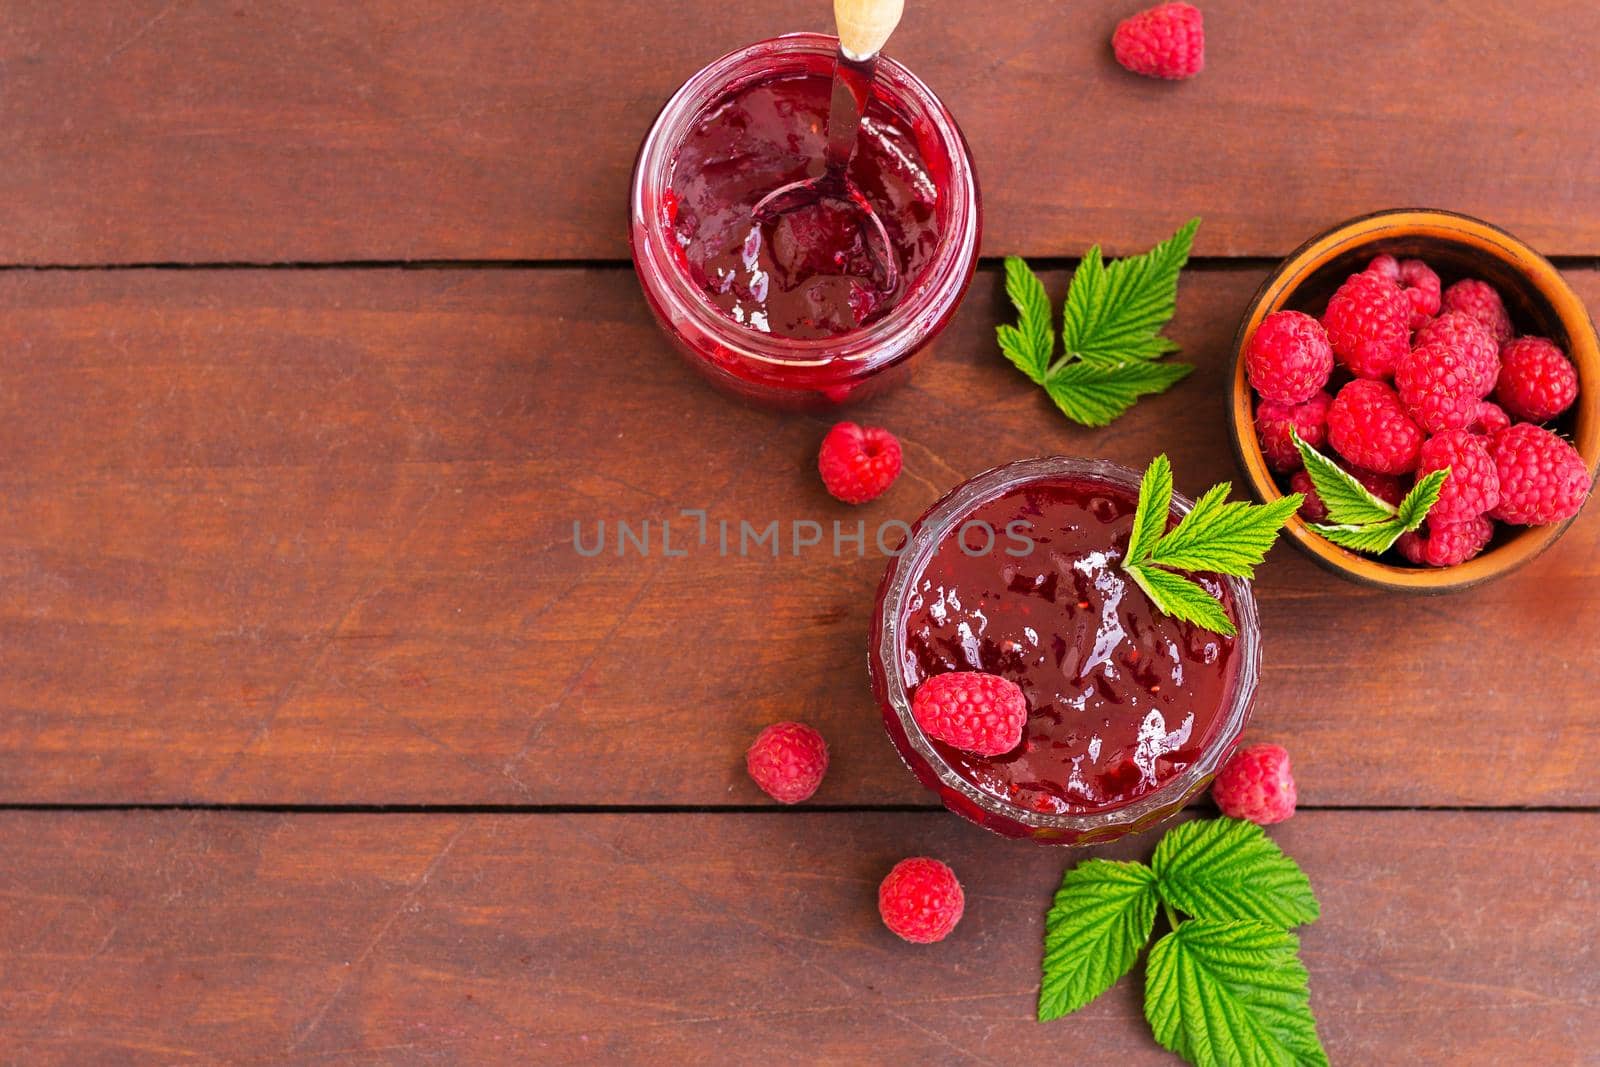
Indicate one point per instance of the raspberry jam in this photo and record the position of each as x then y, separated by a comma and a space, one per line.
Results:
792, 311
806, 273
1130, 710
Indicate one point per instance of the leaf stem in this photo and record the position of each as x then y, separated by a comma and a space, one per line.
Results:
1172, 918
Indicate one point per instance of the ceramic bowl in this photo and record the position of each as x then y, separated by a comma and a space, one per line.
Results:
1457, 246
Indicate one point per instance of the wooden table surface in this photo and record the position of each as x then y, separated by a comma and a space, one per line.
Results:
319, 742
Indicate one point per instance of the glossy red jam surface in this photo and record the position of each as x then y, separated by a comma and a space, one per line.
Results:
1121, 698
805, 274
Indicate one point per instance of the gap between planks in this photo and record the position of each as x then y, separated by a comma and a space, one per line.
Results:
684, 809
986, 263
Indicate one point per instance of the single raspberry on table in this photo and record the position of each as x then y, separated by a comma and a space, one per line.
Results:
1480, 300
858, 463
920, 899
1368, 427
1444, 544
1439, 386
1256, 784
1275, 420
971, 710
1472, 486
1489, 419
1369, 324
1288, 358
787, 760
1167, 41
1458, 330
1417, 280
1542, 477
1537, 380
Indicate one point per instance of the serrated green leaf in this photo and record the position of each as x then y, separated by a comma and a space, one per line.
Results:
1376, 538
1230, 869
1349, 503
1117, 310
1111, 324
1030, 344
1423, 496
1094, 395
1230, 993
1228, 538
1154, 507
1101, 918
1181, 598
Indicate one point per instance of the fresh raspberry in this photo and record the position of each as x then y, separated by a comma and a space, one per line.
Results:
1167, 41
1256, 785
1367, 425
1489, 419
1417, 280
1275, 420
1479, 299
1386, 265
971, 710
1542, 477
1537, 380
1369, 323
858, 463
787, 760
1288, 358
1444, 544
1312, 509
1439, 384
1458, 330
1473, 485
921, 900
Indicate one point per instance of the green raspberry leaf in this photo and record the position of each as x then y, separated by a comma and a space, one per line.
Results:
1216, 535
1361, 521
1095, 396
1230, 869
1423, 496
1031, 343
1110, 328
1225, 993
1347, 500
1182, 598
1228, 538
1375, 539
1115, 313
1155, 504
1101, 918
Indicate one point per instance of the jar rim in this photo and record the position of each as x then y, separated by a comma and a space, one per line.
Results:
898, 584
855, 352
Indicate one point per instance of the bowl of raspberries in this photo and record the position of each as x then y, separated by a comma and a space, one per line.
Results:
1437, 381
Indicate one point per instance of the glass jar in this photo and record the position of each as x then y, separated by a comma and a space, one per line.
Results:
808, 374
903, 591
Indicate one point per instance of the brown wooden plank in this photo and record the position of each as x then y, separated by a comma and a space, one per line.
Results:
145, 937
401, 129
307, 537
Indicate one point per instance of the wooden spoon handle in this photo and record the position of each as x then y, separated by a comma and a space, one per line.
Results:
865, 25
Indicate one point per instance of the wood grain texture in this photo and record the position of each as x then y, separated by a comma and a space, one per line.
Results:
165, 938
156, 131
307, 537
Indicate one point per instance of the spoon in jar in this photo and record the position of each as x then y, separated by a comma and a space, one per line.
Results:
864, 27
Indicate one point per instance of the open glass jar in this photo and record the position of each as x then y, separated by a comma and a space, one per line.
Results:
1131, 712
931, 188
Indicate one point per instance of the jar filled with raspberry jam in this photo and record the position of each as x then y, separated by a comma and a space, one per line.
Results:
1130, 711
791, 310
